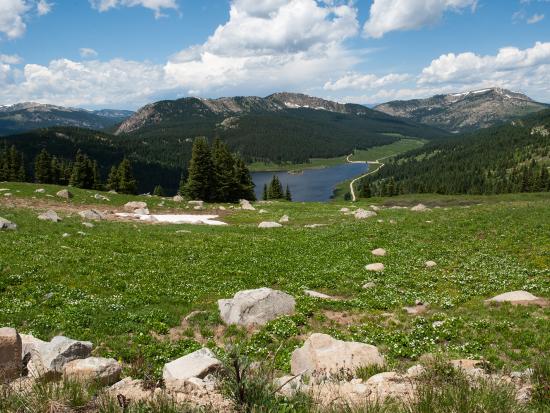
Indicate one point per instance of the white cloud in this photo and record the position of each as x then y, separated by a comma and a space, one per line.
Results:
156, 5
269, 45
357, 81
10, 59
15, 13
535, 18
87, 53
391, 15
43, 7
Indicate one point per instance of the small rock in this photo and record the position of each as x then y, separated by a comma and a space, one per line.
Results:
106, 371
141, 211
267, 224
65, 194
92, 214
177, 198
518, 298
196, 203
133, 390
256, 307
197, 364
262, 211
430, 264
316, 294
379, 252
363, 214
416, 371
49, 216
391, 385
100, 197
66, 235
420, 208
40, 191
112, 191
284, 219
315, 225
246, 205
5, 224
134, 205
374, 208
344, 210
368, 285
88, 224
10, 354
7, 194
416, 309
375, 267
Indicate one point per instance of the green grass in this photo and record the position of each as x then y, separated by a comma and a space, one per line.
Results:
386, 151
123, 284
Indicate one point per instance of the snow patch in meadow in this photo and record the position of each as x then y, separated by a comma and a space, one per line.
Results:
175, 219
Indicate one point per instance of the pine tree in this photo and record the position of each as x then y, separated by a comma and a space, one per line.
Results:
113, 179
96, 176
288, 195
43, 168
201, 182
126, 182
543, 182
366, 192
390, 188
244, 181
265, 195
82, 175
55, 171
226, 187
158, 191
275, 189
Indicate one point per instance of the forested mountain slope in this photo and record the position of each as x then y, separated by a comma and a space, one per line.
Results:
281, 127
509, 158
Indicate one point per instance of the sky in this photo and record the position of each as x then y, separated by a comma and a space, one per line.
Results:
123, 54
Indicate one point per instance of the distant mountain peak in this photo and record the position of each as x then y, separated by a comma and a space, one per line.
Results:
463, 111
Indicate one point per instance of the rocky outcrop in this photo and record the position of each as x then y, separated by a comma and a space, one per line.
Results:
49, 358
97, 369
10, 354
256, 307
323, 355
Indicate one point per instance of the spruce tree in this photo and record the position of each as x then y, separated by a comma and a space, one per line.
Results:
55, 171
113, 179
265, 195
244, 181
275, 190
288, 195
96, 176
82, 175
226, 187
200, 183
42, 168
126, 182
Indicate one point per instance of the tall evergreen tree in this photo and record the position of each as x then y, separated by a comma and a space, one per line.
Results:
288, 195
275, 189
265, 195
127, 184
113, 179
96, 176
244, 181
201, 181
43, 168
226, 188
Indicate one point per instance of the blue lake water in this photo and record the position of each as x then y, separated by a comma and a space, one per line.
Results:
312, 185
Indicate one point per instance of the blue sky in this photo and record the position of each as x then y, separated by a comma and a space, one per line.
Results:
125, 53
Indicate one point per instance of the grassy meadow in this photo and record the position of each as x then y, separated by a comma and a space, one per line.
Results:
127, 286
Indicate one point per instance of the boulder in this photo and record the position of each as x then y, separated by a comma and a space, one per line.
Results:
379, 252
49, 216
141, 211
377, 267
40, 191
256, 307
105, 371
132, 390
268, 224
30, 345
195, 204
177, 198
132, 206
195, 365
430, 264
5, 224
420, 208
344, 209
416, 371
321, 354
49, 358
92, 215
10, 354
284, 219
65, 194
363, 214
514, 297
368, 285
246, 205
391, 385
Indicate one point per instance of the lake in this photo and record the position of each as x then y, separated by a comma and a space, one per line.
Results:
312, 185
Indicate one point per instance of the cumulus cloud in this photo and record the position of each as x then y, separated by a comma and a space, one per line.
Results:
87, 53
156, 5
10, 59
357, 81
269, 44
391, 15
14, 13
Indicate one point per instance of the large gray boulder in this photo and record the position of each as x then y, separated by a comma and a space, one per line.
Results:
246, 205
106, 371
132, 206
323, 355
256, 307
420, 208
49, 358
5, 224
65, 194
198, 364
363, 214
515, 297
92, 215
49, 216
10, 354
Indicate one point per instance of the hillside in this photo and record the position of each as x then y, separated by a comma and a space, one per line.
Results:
281, 127
466, 111
23, 117
508, 158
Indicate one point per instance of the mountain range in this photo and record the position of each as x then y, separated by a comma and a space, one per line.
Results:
467, 111
26, 116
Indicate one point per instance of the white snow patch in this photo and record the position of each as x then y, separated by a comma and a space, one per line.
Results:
175, 219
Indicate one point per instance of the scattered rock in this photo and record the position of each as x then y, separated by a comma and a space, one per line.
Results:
112, 191
10, 354
416, 371
368, 285
430, 264
135, 205
391, 385
88, 224
284, 219
344, 210
246, 205
49, 358
66, 235
65, 194
419, 308
374, 208
5, 224
321, 354
142, 211
177, 198
106, 371
92, 215
49, 216
40, 191
133, 390
315, 225
196, 203
100, 197
420, 208
262, 211
268, 224
7, 194
197, 364
375, 267
256, 307
316, 294
519, 298
363, 214
379, 252
82, 233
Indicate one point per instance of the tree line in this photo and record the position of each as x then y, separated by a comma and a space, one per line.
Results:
275, 190
215, 175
